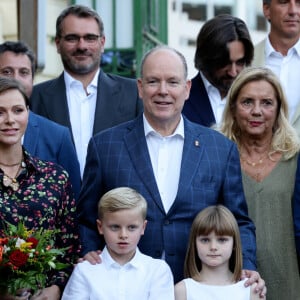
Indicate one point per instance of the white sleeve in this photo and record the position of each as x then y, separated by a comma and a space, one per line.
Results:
162, 283
77, 287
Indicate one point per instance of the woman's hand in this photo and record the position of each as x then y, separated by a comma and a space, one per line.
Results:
50, 293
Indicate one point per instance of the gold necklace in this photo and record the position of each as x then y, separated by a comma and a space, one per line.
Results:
254, 163
12, 181
256, 173
257, 167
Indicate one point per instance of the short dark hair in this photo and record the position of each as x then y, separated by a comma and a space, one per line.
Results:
79, 11
212, 42
8, 83
19, 48
266, 1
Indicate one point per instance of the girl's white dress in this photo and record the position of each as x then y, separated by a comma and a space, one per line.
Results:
196, 290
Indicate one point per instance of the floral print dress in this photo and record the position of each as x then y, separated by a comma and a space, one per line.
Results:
44, 199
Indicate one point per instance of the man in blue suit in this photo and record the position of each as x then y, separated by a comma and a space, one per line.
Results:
224, 48
43, 138
178, 166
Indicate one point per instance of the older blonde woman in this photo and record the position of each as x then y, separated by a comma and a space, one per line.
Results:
255, 117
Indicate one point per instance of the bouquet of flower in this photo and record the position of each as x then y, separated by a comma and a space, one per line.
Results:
26, 256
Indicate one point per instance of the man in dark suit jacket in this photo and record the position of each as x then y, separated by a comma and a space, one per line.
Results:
43, 138
206, 170
108, 100
224, 48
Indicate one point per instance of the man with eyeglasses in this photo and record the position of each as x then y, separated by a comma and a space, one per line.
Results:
224, 48
83, 97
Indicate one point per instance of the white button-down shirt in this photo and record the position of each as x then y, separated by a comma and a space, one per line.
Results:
82, 107
287, 68
142, 278
166, 154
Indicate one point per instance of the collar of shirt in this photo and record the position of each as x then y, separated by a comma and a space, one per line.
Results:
269, 49
148, 129
109, 262
31, 162
70, 81
165, 155
82, 106
213, 92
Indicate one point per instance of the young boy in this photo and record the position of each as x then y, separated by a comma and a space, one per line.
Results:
125, 273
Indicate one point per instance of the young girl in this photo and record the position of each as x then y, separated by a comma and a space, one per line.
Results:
213, 263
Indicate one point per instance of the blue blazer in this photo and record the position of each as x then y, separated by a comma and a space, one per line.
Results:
50, 141
210, 174
197, 107
117, 101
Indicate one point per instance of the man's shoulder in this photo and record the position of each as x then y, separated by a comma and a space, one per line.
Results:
119, 78
259, 54
198, 129
259, 48
48, 126
116, 81
51, 83
207, 137
117, 131
261, 44
197, 82
198, 93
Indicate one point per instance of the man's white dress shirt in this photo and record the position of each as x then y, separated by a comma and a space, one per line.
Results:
166, 154
82, 105
287, 68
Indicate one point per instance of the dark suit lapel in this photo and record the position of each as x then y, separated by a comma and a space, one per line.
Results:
200, 102
56, 104
107, 89
137, 147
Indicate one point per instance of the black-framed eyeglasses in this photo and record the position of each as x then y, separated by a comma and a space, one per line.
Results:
75, 38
